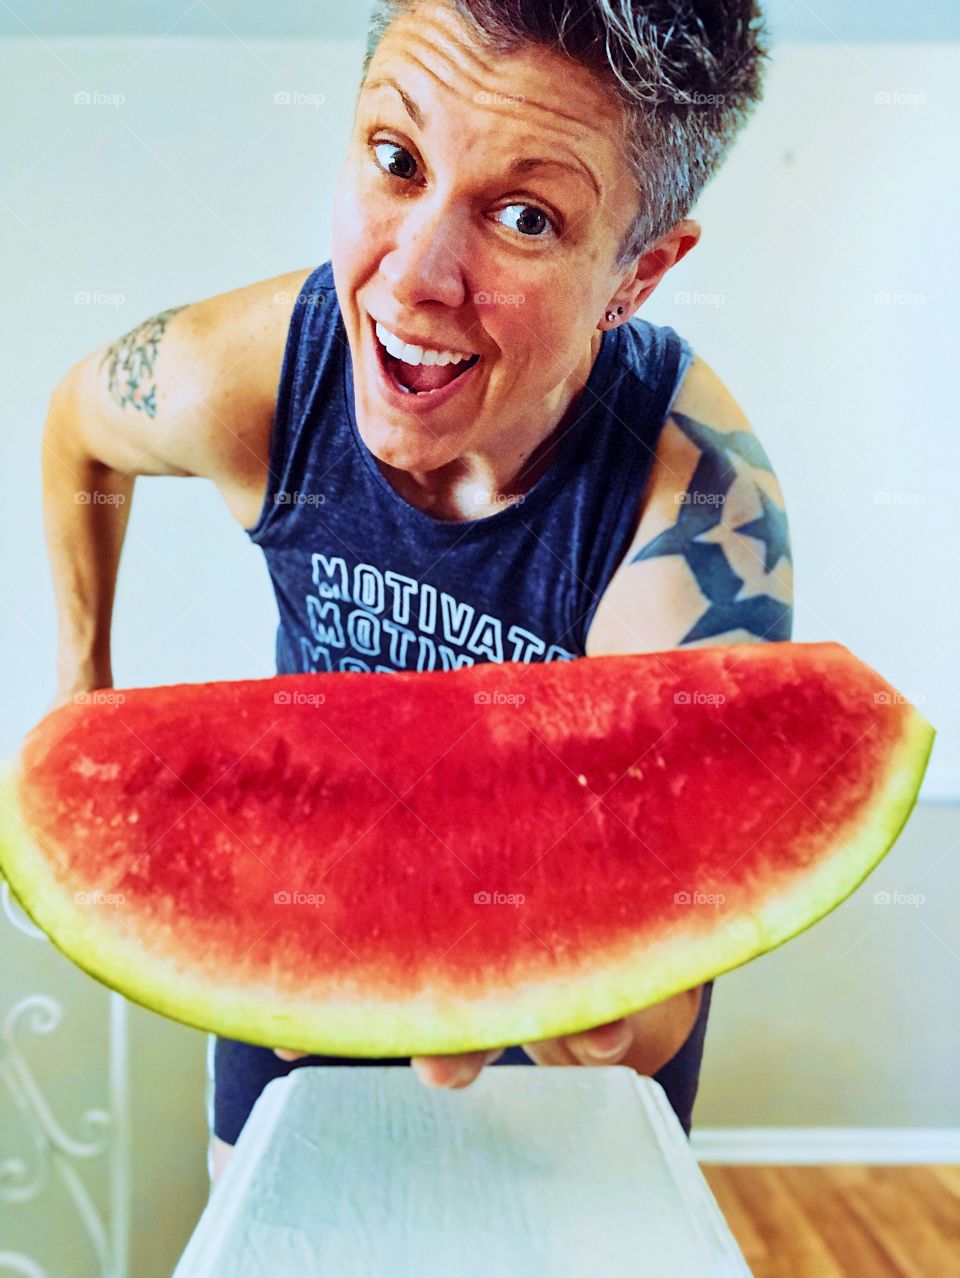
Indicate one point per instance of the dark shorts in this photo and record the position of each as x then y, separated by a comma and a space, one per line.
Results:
241, 1071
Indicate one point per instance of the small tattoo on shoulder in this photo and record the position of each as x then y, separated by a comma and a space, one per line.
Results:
130, 362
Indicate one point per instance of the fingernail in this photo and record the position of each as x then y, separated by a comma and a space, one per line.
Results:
598, 1051
457, 1079
463, 1077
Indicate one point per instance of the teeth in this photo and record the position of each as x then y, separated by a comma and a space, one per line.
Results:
415, 354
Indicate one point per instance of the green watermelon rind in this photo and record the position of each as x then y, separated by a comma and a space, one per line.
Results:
438, 1022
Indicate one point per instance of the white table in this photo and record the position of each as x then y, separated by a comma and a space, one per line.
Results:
548, 1172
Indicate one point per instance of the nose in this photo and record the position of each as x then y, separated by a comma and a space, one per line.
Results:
429, 257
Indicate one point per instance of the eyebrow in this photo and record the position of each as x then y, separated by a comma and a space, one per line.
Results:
524, 165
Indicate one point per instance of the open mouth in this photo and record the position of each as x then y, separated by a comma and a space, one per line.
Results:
420, 380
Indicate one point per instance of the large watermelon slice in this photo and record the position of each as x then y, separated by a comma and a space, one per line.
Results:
449, 861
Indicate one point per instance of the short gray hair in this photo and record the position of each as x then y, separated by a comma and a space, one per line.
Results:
686, 72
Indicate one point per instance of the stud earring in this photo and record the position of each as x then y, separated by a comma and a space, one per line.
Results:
611, 316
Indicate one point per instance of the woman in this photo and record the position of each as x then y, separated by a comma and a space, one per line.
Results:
469, 452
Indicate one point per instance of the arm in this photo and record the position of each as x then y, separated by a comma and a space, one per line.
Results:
188, 392
102, 430
709, 564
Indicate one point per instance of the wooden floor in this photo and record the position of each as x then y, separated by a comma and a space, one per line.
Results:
843, 1222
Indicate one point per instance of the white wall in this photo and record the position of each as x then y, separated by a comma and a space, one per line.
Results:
831, 204
198, 183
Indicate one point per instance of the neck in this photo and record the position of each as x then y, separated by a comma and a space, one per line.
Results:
483, 480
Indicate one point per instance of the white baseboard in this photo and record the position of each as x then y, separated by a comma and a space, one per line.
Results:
797, 1145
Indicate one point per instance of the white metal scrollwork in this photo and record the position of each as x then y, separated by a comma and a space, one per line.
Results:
101, 1132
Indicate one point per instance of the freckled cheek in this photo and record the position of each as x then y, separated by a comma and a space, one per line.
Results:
529, 333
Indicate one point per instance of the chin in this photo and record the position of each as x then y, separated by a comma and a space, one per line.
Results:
404, 445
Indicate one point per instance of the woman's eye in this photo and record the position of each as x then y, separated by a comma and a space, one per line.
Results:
531, 221
404, 168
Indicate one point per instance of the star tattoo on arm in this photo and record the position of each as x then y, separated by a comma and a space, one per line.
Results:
701, 537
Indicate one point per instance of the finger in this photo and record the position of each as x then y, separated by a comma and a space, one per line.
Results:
453, 1071
602, 1045
286, 1055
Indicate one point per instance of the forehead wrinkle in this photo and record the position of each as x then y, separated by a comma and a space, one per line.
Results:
579, 128
574, 136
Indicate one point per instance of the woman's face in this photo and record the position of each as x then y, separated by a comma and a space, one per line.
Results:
446, 231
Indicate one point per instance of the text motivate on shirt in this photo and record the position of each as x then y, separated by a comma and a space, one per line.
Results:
379, 620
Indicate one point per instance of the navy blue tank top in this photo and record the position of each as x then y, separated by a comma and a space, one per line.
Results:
366, 581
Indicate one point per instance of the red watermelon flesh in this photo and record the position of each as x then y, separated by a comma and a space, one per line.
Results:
448, 861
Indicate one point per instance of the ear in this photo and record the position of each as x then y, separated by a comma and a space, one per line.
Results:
652, 265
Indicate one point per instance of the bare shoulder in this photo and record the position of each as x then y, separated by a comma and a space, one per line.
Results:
191, 389
710, 559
